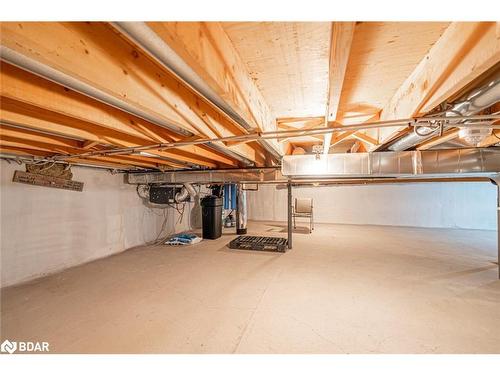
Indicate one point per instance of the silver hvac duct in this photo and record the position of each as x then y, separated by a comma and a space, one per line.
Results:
241, 210
186, 191
209, 176
56, 76
482, 98
461, 162
393, 164
141, 34
23, 62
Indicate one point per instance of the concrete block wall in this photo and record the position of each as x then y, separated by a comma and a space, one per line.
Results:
469, 205
44, 230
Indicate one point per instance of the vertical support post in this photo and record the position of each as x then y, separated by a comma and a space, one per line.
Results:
496, 181
241, 210
289, 186
498, 226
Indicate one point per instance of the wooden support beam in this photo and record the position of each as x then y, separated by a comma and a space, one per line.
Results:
365, 139
355, 147
8, 131
27, 88
340, 47
482, 56
89, 144
34, 101
289, 120
93, 53
288, 127
42, 120
34, 148
337, 138
358, 146
299, 122
56, 144
491, 140
25, 116
207, 49
109, 162
436, 141
464, 52
20, 151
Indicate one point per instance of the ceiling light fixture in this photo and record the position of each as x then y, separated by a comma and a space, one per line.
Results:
474, 136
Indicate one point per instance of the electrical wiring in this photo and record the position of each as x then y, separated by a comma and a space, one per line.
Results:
180, 208
164, 223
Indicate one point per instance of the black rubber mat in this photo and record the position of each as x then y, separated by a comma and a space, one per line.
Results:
259, 243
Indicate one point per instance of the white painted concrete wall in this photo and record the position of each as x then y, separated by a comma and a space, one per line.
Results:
438, 205
44, 230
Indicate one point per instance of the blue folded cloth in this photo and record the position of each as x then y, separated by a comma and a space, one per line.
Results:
183, 239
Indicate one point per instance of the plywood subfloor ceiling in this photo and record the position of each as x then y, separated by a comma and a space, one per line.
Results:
383, 54
288, 61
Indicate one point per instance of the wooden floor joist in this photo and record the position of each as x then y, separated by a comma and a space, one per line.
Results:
94, 54
436, 141
492, 139
340, 47
365, 139
32, 140
464, 52
74, 87
206, 48
38, 103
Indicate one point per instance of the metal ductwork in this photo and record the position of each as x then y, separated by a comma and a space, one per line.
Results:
56, 76
209, 176
479, 99
186, 191
141, 34
464, 162
393, 164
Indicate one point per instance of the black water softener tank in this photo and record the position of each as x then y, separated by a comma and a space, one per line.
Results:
211, 216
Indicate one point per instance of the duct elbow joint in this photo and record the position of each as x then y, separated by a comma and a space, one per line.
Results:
186, 192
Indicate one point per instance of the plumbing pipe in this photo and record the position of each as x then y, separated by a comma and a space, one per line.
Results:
142, 35
241, 210
186, 191
289, 134
56, 76
289, 214
479, 99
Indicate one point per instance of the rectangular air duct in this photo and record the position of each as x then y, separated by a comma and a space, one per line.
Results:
465, 163
392, 164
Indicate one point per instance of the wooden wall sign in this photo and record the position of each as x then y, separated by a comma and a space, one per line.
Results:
47, 181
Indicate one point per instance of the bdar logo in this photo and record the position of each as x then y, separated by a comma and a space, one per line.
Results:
24, 346
8, 347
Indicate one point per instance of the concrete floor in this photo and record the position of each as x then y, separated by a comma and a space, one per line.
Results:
343, 289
